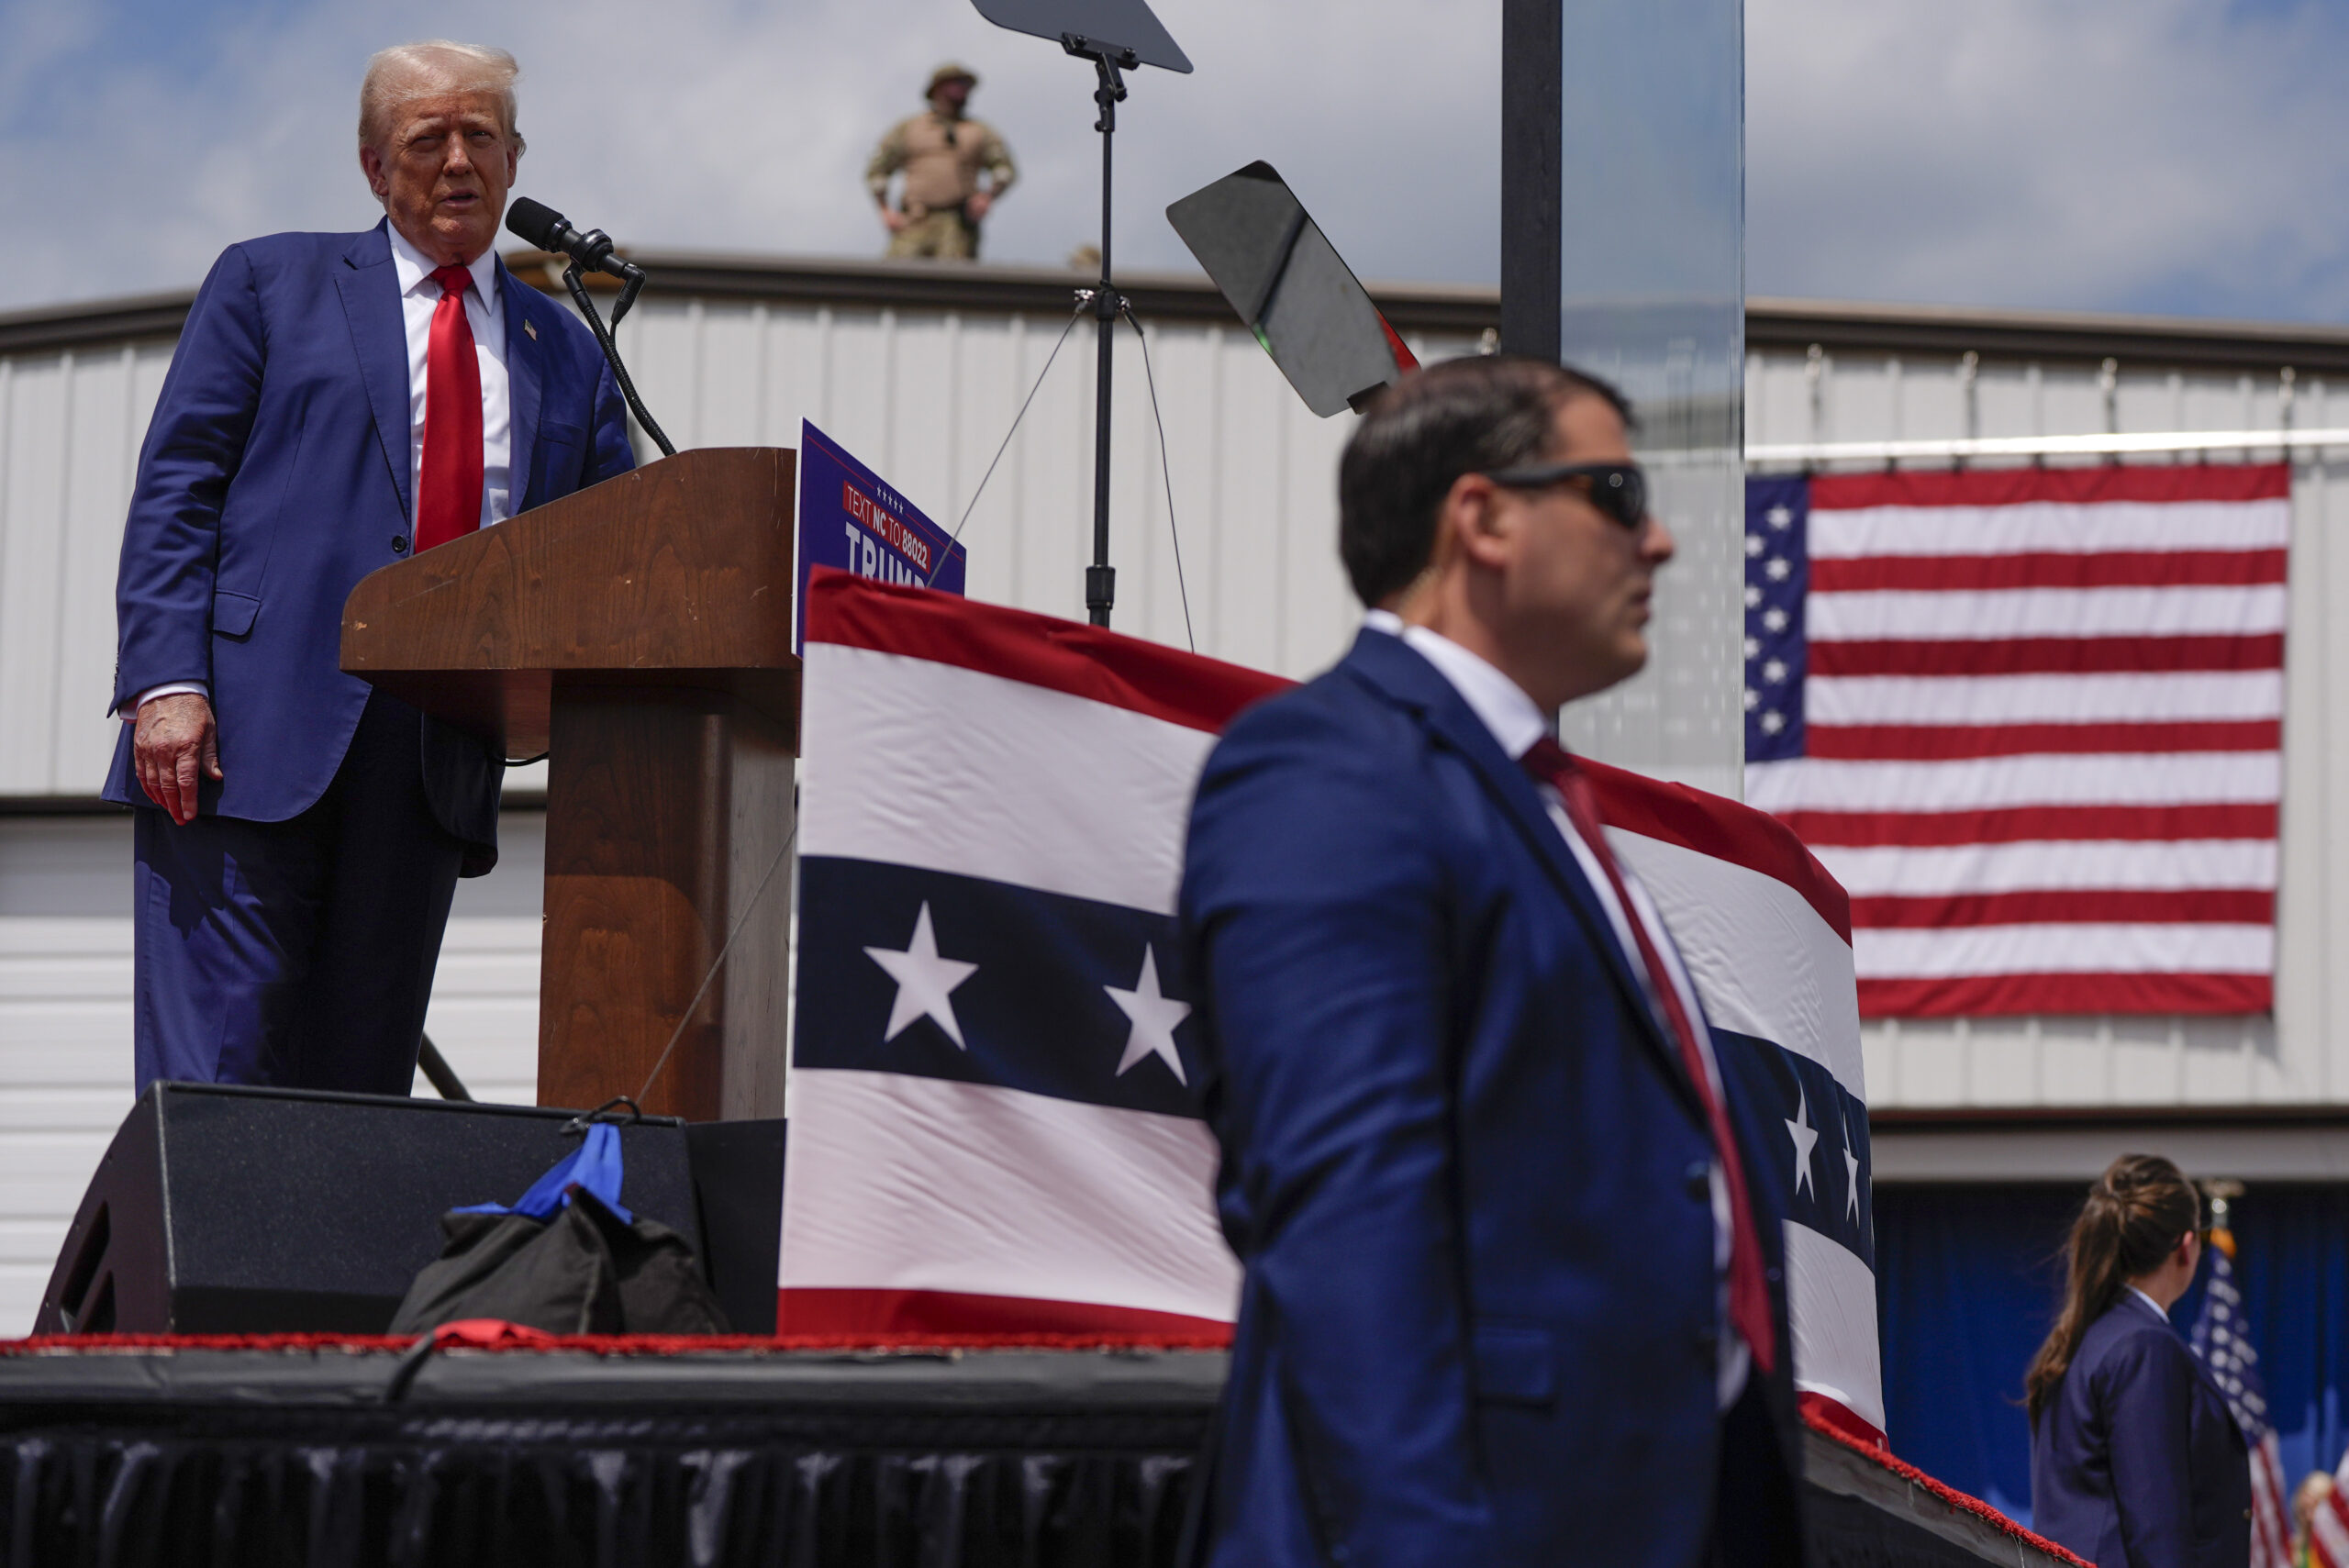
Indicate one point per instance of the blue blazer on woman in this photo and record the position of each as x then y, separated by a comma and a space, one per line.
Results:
1463, 1164
275, 476
2136, 1462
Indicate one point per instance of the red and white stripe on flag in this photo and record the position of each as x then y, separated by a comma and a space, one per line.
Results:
2328, 1521
2271, 1506
2043, 712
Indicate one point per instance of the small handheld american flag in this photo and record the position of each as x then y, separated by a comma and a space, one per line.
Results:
2221, 1339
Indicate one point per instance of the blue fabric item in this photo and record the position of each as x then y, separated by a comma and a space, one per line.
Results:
594, 1166
296, 954
1968, 1278
2137, 1462
275, 476
1462, 1164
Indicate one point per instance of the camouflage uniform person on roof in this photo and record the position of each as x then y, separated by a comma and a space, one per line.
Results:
941, 153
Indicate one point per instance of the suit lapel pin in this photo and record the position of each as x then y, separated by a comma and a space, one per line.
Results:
531, 328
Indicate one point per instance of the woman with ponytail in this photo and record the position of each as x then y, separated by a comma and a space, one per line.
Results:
2135, 1461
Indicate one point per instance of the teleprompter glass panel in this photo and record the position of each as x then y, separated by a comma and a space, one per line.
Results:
1112, 24
1286, 281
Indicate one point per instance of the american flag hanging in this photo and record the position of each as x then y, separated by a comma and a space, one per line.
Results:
2221, 1340
2031, 720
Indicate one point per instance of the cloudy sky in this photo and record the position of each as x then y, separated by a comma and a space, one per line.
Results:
2187, 156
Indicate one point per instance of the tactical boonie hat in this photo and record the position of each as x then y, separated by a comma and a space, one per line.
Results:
950, 71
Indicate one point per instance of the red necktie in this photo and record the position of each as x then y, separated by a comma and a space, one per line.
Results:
1749, 1298
448, 501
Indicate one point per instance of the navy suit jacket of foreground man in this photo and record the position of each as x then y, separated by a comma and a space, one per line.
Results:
1463, 1164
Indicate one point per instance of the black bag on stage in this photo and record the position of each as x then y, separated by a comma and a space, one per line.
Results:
567, 1259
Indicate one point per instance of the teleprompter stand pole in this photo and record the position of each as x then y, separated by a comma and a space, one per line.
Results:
1101, 578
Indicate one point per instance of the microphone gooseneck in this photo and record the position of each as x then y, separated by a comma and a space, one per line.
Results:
548, 230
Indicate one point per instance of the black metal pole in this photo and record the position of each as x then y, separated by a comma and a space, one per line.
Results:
1532, 64
1101, 578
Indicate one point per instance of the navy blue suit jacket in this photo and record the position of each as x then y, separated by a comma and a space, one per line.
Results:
2136, 1462
1463, 1165
275, 474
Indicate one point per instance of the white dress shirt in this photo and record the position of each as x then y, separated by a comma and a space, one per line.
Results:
485, 313
1516, 722
2149, 1301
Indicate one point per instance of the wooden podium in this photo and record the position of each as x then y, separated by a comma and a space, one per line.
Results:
638, 633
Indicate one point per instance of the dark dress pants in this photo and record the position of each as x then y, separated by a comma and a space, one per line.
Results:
297, 954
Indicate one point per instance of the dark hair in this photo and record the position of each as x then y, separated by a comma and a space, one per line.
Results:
2136, 1213
1465, 415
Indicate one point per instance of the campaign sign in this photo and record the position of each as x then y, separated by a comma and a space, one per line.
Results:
850, 518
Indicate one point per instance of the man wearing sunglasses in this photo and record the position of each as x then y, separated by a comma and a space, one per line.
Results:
1508, 1298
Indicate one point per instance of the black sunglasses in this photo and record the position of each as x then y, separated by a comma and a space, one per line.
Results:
1617, 489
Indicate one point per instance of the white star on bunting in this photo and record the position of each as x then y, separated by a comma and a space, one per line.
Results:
1154, 1015
1805, 1138
925, 982
1851, 1174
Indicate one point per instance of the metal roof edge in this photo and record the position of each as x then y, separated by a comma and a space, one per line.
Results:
851, 282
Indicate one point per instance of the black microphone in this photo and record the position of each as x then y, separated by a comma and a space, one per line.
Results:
550, 230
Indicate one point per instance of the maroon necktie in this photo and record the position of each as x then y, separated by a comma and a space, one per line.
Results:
448, 502
1749, 1298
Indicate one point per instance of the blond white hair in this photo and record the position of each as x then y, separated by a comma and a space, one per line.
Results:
410, 70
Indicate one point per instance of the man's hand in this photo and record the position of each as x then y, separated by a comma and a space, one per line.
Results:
893, 220
174, 737
976, 207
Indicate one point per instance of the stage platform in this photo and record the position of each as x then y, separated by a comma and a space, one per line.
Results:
342, 1451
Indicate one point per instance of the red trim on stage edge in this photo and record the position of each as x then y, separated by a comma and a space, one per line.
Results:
2067, 486
531, 1341
1039, 651
1984, 996
1828, 1427
1827, 1414
889, 1316
1713, 825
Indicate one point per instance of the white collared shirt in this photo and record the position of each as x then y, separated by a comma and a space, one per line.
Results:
2149, 1301
485, 313
1516, 722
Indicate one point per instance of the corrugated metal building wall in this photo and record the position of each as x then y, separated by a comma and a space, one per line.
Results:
920, 371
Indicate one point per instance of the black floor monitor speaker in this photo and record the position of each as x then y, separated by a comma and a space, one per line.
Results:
222, 1210
737, 1174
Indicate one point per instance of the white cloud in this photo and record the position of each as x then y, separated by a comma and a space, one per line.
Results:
2173, 155
706, 125
2154, 155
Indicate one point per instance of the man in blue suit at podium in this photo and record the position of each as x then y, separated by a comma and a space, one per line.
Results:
337, 401
1510, 1298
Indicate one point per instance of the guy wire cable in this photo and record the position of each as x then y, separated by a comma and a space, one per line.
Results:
1164, 472
741, 922
1082, 296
